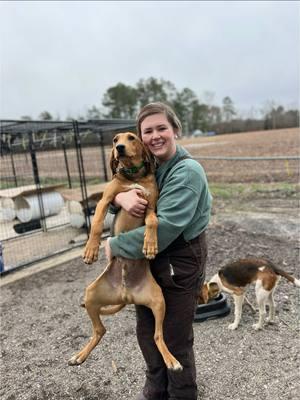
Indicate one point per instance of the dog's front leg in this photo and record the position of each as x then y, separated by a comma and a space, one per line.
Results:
91, 250
238, 305
150, 248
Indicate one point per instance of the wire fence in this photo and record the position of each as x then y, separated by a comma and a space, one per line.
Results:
52, 177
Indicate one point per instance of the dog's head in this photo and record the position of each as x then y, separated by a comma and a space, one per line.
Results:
129, 150
209, 290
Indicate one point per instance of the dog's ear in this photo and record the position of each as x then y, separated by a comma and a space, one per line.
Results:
203, 294
213, 289
148, 159
113, 163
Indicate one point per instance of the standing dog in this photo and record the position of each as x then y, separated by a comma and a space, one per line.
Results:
234, 279
126, 281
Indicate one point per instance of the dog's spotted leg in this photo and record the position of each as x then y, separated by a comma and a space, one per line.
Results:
271, 318
262, 296
238, 305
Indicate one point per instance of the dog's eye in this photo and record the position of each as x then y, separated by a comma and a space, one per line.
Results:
130, 137
115, 140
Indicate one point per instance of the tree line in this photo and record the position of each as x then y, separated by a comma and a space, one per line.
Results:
124, 101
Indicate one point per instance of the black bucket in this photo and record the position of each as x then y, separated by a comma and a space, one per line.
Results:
215, 308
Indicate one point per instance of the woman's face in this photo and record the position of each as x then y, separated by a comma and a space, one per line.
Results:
159, 136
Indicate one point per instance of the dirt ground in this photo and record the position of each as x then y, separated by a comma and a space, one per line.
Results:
42, 324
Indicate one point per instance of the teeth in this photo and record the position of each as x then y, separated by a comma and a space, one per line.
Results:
157, 145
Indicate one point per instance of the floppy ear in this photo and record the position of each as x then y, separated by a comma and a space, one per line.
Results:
148, 159
113, 163
213, 289
203, 294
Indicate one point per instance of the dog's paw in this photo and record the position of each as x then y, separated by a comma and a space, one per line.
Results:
271, 321
75, 360
232, 326
257, 327
177, 366
173, 364
90, 253
150, 250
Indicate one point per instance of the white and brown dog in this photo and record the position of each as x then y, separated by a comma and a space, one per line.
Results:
234, 279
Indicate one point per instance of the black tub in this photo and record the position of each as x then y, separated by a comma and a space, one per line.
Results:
215, 308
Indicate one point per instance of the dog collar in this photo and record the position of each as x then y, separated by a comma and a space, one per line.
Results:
132, 170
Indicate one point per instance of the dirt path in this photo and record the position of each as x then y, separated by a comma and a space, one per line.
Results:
42, 325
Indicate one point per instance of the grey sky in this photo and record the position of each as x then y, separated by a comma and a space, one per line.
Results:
63, 56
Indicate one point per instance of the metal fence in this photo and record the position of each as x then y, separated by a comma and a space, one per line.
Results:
51, 175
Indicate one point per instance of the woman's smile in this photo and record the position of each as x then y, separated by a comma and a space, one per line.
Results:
159, 136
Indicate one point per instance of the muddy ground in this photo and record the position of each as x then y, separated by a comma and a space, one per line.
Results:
42, 325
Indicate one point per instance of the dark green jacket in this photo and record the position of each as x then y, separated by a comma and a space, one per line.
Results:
183, 206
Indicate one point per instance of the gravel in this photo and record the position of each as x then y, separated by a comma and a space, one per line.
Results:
42, 325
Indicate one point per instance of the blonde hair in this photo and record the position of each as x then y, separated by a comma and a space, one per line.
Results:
158, 108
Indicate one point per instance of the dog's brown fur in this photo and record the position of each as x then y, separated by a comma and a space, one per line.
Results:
234, 279
126, 281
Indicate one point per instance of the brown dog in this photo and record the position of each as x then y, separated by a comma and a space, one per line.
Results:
234, 279
126, 281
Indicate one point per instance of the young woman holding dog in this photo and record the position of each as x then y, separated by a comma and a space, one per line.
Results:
183, 210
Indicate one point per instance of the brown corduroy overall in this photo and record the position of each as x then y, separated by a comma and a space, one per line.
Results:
180, 272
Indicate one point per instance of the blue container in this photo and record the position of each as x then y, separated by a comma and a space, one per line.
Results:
1, 259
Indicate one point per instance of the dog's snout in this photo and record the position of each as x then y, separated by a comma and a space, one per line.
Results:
120, 149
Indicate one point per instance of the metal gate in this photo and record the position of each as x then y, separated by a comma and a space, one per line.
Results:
52, 175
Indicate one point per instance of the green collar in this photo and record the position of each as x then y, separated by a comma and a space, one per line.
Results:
132, 170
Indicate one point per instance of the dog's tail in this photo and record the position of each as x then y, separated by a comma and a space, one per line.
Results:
108, 310
287, 276
111, 309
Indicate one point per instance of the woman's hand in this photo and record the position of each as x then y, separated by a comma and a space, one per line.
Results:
132, 202
107, 250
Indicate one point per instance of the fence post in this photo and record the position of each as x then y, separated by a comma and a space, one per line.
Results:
13, 163
63, 142
37, 180
101, 140
82, 176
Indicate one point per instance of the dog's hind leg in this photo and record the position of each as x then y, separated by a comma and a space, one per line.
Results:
158, 309
238, 305
262, 296
271, 318
98, 332
150, 295
250, 304
98, 294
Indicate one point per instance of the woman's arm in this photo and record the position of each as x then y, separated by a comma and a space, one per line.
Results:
132, 202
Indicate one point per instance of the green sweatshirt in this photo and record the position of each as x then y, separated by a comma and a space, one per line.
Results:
183, 206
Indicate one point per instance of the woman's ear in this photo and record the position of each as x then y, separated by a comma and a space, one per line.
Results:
113, 163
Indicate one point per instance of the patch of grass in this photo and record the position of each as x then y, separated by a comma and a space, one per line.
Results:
48, 181
243, 190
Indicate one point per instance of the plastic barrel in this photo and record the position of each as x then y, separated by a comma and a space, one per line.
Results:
27, 207
7, 211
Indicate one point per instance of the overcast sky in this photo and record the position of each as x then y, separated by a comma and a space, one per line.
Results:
63, 56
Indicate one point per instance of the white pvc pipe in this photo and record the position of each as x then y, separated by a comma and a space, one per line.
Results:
7, 209
78, 220
27, 207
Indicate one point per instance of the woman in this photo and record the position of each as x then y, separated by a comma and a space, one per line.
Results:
183, 210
